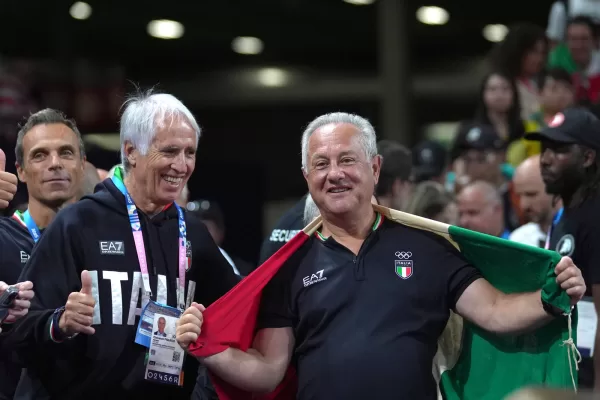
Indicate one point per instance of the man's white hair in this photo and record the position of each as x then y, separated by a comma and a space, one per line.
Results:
311, 211
367, 138
143, 113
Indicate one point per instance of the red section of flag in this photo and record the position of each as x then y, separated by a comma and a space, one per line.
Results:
231, 321
408, 271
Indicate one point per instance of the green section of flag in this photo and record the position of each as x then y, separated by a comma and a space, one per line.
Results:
492, 366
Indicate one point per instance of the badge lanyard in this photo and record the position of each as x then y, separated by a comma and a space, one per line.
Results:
29, 223
138, 237
555, 221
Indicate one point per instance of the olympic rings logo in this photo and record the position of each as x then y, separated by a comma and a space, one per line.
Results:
404, 255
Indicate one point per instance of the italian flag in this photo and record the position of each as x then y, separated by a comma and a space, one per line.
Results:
470, 363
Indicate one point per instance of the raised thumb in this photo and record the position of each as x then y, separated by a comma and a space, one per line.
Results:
86, 282
2, 160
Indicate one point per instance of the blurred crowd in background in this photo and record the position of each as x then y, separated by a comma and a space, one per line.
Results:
532, 74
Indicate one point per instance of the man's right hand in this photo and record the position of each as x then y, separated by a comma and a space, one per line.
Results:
79, 310
8, 183
189, 325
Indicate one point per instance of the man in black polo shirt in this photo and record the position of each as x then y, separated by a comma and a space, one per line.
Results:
570, 164
354, 328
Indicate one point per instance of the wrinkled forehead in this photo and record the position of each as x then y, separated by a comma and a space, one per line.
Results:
334, 138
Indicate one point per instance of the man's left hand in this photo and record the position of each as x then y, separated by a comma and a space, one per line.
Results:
21, 305
569, 277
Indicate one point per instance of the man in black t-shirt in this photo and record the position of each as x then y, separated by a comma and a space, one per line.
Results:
570, 164
353, 325
286, 228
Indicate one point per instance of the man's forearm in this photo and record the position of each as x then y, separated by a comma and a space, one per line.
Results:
246, 370
518, 313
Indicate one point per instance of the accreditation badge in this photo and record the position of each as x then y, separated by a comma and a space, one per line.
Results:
165, 356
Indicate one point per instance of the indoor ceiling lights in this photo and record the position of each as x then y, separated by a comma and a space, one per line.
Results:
360, 2
165, 29
432, 15
80, 10
272, 77
247, 45
495, 32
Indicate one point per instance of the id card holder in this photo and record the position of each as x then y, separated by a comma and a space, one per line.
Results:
145, 327
165, 356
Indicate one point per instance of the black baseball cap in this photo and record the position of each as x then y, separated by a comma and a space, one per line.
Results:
429, 160
476, 136
575, 125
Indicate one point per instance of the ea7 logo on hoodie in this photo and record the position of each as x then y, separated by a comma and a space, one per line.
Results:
112, 247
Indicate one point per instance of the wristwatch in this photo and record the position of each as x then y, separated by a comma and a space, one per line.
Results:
552, 310
57, 333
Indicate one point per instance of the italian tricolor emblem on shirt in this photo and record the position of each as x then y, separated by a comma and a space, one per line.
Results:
404, 268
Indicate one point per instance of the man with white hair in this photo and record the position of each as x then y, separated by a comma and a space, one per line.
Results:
114, 263
354, 328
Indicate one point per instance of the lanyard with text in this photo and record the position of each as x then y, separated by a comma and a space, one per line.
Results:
29, 223
555, 221
138, 237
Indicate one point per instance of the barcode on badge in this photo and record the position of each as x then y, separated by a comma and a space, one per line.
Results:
176, 356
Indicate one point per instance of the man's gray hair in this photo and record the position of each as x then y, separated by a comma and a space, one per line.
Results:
143, 113
368, 139
311, 211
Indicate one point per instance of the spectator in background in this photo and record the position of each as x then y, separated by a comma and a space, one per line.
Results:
556, 94
430, 162
286, 227
184, 197
211, 215
580, 57
562, 10
394, 188
480, 209
538, 206
499, 106
431, 200
479, 154
90, 179
522, 54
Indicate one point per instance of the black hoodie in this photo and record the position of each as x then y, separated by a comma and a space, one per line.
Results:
109, 364
15, 247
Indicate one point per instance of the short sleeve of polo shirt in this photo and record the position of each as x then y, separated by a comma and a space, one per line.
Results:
458, 273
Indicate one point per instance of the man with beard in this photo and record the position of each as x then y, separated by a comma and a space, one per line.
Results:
538, 206
570, 165
50, 161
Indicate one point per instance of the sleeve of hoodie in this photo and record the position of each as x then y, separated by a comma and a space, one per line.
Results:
211, 271
54, 270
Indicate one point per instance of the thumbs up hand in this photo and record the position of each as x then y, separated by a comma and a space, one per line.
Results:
79, 310
8, 183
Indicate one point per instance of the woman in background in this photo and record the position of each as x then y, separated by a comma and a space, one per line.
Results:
522, 54
499, 106
431, 200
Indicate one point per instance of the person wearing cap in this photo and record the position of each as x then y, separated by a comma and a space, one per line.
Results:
395, 185
211, 215
479, 154
430, 160
570, 165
